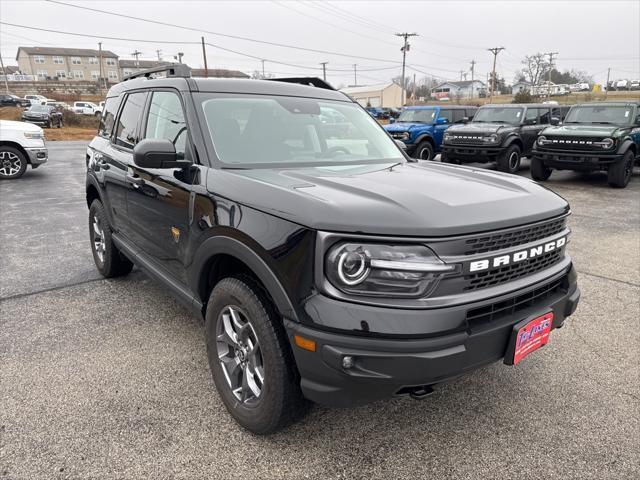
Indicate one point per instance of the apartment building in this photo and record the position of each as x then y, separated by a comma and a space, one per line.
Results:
130, 66
81, 64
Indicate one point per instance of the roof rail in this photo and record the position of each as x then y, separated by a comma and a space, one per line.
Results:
172, 69
310, 81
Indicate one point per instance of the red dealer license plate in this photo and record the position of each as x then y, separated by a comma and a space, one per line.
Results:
528, 336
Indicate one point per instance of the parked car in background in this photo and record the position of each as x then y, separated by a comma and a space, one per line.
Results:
594, 137
10, 100
21, 144
378, 113
45, 115
87, 108
623, 85
37, 99
635, 85
58, 105
421, 128
580, 87
501, 133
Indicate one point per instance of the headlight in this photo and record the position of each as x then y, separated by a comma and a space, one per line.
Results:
493, 138
542, 140
447, 136
34, 135
406, 271
607, 143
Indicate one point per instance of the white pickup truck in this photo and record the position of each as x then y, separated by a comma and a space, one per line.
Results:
87, 108
20, 144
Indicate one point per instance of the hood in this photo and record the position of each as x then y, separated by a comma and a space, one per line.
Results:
407, 199
19, 126
481, 128
582, 130
404, 126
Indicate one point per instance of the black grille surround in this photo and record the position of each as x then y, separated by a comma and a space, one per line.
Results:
574, 143
466, 139
500, 241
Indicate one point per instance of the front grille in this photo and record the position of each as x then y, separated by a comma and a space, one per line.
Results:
495, 311
460, 139
499, 241
573, 143
508, 273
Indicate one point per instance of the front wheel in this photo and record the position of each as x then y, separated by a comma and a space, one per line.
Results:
108, 259
424, 151
619, 173
13, 163
539, 171
250, 358
509, 160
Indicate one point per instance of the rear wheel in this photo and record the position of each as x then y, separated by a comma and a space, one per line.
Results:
250, 357
619, 173
509, 160
424, 151
108, 259
539, 171
13, 163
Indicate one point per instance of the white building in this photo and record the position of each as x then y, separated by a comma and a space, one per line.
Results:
520, 87
463, 89
382, 95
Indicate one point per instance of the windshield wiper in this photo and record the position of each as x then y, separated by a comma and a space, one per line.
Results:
603, 123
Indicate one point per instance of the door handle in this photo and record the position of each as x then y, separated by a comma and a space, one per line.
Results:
135, 180
102, 163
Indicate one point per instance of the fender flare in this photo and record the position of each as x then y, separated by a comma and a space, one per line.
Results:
626, 145
425, 136
93, 182
513, 139
225, 245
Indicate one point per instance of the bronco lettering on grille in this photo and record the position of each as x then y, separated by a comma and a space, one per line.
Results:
515, 257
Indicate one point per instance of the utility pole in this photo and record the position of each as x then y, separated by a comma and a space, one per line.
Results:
473, 66
606, 87
551, 55
4, 72
495, 51
100, 77
404, 50
355, 74
263, 76
179, 57
204, 55
136, 54
324, 70
413, 95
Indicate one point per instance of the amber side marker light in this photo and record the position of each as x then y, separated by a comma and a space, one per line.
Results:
305, 343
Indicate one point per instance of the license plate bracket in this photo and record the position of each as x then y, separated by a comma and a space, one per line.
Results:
528, 336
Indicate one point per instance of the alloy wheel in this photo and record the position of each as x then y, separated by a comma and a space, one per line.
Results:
514, 159
10, 163
99, 244
240, 355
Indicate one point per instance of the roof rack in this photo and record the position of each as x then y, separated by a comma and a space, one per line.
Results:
172, 69
310, 81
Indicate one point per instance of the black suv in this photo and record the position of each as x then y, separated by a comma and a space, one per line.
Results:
328, 267
499, 133
10, 100
594, 137
45, 115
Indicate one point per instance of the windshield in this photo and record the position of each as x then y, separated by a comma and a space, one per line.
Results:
420, 116
253, 131
40, 108
499, 115
602, 114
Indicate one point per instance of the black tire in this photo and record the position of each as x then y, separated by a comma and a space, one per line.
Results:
279, 401
424, 151
619, 173
49, 124
13, 163
59, 122
109, 261
539, 171
509, 160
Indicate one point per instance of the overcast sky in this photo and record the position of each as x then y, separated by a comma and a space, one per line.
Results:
588, 35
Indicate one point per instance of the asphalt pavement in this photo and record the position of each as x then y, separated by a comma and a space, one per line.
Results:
108, 379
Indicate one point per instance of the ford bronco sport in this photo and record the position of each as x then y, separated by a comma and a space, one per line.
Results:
594, 137
329, 268
421, 128
498, 133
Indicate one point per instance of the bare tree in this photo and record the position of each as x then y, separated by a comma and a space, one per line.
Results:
535, 66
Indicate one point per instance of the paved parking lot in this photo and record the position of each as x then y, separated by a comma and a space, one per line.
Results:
104, 379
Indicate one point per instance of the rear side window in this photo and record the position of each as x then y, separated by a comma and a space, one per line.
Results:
458, 115
545, 117
446, 114
108, 117
127, 127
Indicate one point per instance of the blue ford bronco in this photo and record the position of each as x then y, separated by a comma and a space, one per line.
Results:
421, 127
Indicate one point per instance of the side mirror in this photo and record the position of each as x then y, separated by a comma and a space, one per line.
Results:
392, 120
156, 153
401, 144
554, 121
441, 121
465, 120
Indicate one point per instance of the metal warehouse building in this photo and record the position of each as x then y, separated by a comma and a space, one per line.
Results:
381, 95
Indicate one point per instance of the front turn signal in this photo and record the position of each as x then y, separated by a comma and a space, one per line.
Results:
305, 343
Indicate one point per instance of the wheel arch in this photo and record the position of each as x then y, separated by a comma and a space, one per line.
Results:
514, 140
221, 255
627, 145
17, 146
426, 137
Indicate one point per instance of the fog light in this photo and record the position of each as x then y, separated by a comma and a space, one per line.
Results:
348, 362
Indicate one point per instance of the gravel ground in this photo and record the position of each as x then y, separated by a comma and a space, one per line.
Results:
103, 379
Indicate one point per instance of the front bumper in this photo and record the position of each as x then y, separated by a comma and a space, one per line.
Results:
472, 153
37, 121
391, 366
581, 161
37, 156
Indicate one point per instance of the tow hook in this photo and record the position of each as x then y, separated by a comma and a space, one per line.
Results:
420, 393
